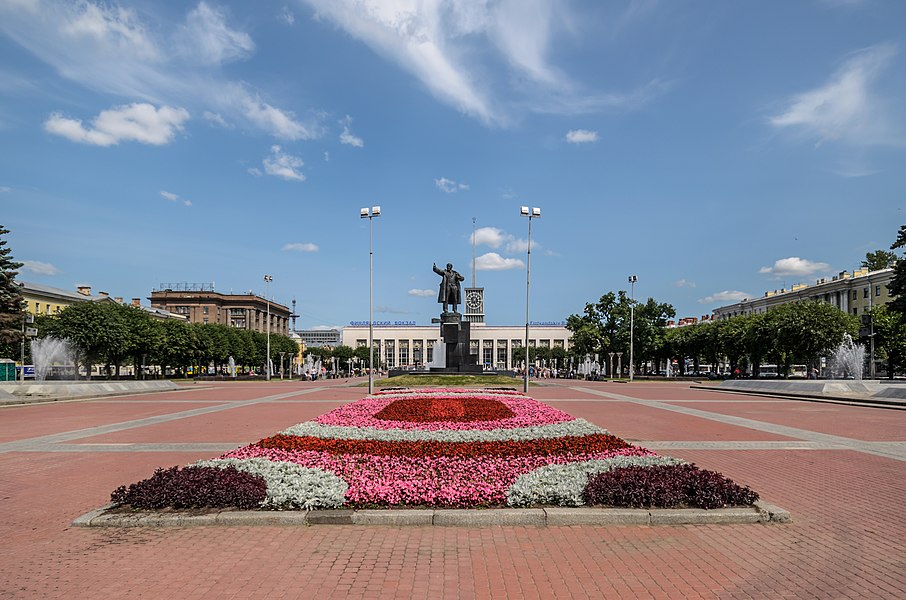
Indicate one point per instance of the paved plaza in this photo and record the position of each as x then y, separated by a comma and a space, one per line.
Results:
840, 471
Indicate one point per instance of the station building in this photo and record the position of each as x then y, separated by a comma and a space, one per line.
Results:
404, 343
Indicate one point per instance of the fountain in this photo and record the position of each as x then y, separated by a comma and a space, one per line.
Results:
232, 363
848, 360
51, 352
438, 356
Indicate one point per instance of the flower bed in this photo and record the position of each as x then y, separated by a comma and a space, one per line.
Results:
455, 448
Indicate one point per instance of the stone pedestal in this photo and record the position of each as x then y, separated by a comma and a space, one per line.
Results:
456, 335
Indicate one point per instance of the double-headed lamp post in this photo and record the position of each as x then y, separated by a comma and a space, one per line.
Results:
632, 280
267, 361
370, 215
533, 213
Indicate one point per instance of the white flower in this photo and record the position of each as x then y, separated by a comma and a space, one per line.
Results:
562, 484
289, 485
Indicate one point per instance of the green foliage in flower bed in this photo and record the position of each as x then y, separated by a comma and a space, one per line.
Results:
448, 381
194, 487
669, 486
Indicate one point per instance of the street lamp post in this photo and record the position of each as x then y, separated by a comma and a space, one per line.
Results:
632, 280
267, 361
534, 213
365, 213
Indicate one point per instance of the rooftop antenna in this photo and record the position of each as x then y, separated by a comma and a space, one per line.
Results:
473, 252
294, 315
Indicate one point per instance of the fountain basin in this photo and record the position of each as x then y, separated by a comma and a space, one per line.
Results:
15, 393
864, 389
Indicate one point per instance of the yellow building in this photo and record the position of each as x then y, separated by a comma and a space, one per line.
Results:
46, 300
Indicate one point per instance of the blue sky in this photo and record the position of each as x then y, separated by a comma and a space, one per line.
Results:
714, 149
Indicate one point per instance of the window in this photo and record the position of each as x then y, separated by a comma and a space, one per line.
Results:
877, 290
855, 311
865, 293
37, 308
205, 320
855, 295
47, 310
205, 311
182, 310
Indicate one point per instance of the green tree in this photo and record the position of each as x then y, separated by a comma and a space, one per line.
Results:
12, 309
343, 354
178, 346
808, 330
890, 338
897, 285
879, 259
97, 329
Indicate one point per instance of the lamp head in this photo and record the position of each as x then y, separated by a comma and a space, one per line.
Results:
376, 211
363, 212
536, 212
523, 210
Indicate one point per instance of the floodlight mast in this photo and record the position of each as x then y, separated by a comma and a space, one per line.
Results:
365, 213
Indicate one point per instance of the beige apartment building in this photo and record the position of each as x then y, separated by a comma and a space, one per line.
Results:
199, 303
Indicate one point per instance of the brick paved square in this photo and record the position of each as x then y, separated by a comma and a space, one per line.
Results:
845, 540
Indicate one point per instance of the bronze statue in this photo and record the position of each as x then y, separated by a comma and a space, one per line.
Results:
449, 292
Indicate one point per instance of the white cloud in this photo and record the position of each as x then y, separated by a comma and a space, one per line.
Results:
347, 136
287, 16
684, 283
255, 171
280, 164
581, 136
174, 197
40, 268
495, 238
494, 262
725, 296
111, 50
422, 293
216, 119
5, 189
794, 266
301, 247
326, 156
449, 186
138, 122
206, 38
846, 108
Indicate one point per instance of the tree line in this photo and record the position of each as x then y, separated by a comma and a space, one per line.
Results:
116, 335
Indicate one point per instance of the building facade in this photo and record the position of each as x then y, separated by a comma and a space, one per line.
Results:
317, 338
43, 299
407, 344
855, 293
199, 303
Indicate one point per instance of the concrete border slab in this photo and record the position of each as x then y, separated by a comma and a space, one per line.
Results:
762, 512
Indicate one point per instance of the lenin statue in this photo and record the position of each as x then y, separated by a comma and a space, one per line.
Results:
449, 292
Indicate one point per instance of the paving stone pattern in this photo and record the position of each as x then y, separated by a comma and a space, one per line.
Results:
844, 487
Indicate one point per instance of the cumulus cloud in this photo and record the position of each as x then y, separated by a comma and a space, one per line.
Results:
110, 49
684, 283
494, 262
347, 136
495, 238
174, 197
846, 108
725, 296
139, 122
40, 268
301, 247
422, 293
581, 136
449, 186
281, 164
794, 266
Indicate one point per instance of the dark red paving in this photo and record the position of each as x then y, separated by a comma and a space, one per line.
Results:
633, 422
20, 422
860, 423
243, 424
846, 540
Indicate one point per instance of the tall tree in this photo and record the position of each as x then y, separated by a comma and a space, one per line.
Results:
11, 302
897, 285
879, 259
890, 337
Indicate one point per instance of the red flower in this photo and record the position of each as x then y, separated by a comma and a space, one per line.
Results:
425, 410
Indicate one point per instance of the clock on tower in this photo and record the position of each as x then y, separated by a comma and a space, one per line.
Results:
474, 303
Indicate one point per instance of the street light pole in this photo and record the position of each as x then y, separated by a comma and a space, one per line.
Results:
632, 280
267, 361
370, 215
534, 213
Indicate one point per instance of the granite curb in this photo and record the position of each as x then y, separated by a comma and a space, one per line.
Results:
868, 402
761, 512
